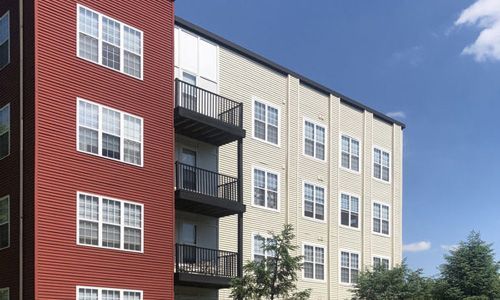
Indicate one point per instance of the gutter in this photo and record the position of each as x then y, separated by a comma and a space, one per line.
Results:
21, 148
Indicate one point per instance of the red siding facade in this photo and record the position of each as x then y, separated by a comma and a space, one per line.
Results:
55, 171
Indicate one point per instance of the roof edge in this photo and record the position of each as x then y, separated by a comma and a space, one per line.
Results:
281, 69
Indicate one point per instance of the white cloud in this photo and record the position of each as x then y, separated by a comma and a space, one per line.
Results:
417, 247
449, 247
485, 15
397, 114
412, 56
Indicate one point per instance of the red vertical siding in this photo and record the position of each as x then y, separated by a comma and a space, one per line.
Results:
61, 171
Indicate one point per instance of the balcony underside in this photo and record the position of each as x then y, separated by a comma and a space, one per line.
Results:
198, 280
205, 128
206, 205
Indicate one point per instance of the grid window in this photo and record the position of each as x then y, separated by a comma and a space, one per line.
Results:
381, 164
350, 153
4, 40
314, 201
380, 262
265, 189
4, 131
314, 140
349, 267
4, 222
104, 131
266, 122
109, 223
259, 242
91, 293
314, 262
349, 211
381, 218
124, 55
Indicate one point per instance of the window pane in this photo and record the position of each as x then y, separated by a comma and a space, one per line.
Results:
132, 215
308, 270
354, 261
88, 22
385, 174
354, 276
320, 151
272, 134
376, 225
354, 220
258, 245
272, 182
111, 56
132, 152
344, 259
132, 128
131, 296
344, 201
320, 135
111, 211
344, 218
355, 147
88, 233
385, 212
110, 295
111, 121
272, 116
320, 272
88, 47
377, 156
345, 144
309, 147
308, 253
260, 112
309, 209
259, 197
88, 141
385, 227
385, 159
344, 275
110, 236
345, 160
110, 146
89, 207
132, 64
320, 211
87, 294
88, 115
259, 178
377, 172
110, 31
355, 163
260, 130
132, 40
308, 192
376, 211
309, 130
132, 239
272, 200
320, 195
4, 28
354, 204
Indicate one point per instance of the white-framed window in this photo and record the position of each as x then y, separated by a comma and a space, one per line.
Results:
381, 218
265, 188
381, 164
4, 222
108, 42
350, 153
349, 210
314, 262
379, 261
4, 294
95, 293
314, 140
314, 201
266, 119
109, 133
258, 242
5, 131
110, 223
349, 267
4, 40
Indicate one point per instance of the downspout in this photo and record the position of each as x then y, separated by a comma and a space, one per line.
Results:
21, 146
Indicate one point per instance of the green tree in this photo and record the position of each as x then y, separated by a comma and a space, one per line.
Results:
275, 276
398, 283
470, 271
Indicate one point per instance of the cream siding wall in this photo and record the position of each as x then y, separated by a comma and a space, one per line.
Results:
241, 79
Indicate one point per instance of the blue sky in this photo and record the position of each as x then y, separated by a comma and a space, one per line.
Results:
402, 56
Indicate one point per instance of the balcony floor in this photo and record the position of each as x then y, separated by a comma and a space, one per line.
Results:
190, 201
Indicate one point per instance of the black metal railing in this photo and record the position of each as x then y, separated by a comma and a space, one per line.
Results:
196, 99
205, 182
204, 261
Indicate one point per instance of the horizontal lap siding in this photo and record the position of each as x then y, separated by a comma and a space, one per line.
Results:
61, 265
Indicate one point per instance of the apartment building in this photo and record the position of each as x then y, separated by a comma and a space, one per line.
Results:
327, 164
86, 150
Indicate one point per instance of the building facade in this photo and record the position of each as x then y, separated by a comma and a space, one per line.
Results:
86, 150
313, 158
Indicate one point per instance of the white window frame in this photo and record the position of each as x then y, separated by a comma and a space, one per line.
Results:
381, 257
8, 292
325, 260
7, 198
278, 191
6, 15
304, 182
351, 138
373, 218
100, 289
267, 237
100, 132
360, 220
316, 124
267, 104
360, 267
100, 222
7, 106
382, 150
100, 41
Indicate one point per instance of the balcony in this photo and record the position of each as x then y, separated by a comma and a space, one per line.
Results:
203, 267
206, 192
206, 116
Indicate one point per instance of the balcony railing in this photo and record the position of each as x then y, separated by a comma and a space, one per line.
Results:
196, 99
205, 182
204, 261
